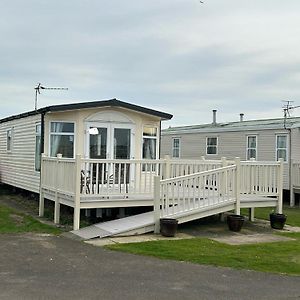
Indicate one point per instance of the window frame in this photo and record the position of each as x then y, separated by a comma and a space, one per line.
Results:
249, 148
216, 146
179, 147
38, 134
145, 168
9, 142
62, 134
286, 147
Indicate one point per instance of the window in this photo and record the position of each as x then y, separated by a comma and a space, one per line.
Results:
211, 145
62, 139
149, 142
251, 147
9, 140
176, 147
37, 163
281, 147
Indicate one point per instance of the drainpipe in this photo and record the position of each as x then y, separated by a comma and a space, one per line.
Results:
290, 166
42, 132
159, 139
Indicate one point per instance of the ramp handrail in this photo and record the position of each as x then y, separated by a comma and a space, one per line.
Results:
190, 192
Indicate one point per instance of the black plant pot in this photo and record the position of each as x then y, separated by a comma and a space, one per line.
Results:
277, 220
235, 222
168, 227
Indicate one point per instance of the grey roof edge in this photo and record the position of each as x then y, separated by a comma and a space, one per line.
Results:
91, 104
250, 125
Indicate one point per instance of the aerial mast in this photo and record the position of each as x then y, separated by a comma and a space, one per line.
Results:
287, 107
38, 89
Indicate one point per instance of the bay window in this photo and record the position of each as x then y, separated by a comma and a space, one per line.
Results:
62, 139
149, 142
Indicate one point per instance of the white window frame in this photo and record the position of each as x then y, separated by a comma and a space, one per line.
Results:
249, 148
38, 134
9, 142
62, 133
217, 144
286, 148
145, 168
179, 147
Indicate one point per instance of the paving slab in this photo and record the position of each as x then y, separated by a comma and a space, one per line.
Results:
136, 239
242, 239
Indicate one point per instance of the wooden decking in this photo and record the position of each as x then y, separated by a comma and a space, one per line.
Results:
145, 222
185, 190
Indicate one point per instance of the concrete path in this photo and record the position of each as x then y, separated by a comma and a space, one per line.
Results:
53, 267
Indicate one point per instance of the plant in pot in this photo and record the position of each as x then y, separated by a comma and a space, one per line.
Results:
235, 222
277, 220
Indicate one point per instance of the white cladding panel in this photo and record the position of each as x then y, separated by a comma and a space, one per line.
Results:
17, 167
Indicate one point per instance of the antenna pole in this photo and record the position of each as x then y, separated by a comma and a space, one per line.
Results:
40, 87
286, 110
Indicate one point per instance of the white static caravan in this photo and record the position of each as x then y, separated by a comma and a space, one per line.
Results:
260, 140
109, 129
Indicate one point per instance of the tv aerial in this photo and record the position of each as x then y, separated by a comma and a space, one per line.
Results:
287, 108
38, 89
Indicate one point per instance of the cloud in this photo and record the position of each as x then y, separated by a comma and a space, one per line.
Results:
180, 57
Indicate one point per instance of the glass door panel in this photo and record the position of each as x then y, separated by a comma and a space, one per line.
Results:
98, 142
121, 143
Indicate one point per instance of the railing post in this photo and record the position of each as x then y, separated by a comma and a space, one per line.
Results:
237, 186
42, 198
156, 204
291, 180
280, 186
76, 217
56, 201
167, 173
224, 177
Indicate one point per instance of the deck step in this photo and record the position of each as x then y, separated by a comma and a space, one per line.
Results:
143, 221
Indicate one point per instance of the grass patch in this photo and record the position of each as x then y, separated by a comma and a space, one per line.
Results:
279, 257
12, 221
292, 213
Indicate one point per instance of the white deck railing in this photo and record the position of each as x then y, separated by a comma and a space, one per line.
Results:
258, 177
184, 185
295, 174
136, 177
118, 177
191, 192
181, 167
294, 180
59, 175
184, 194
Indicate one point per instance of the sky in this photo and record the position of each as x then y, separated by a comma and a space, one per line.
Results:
182, 57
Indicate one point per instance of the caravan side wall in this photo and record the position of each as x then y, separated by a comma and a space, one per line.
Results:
230, 145
17, 165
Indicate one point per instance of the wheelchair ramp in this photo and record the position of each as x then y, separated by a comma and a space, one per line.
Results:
132, 225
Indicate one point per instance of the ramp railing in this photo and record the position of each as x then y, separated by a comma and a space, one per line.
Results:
190, 192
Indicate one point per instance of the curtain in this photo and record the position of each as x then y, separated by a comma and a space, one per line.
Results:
56, 127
